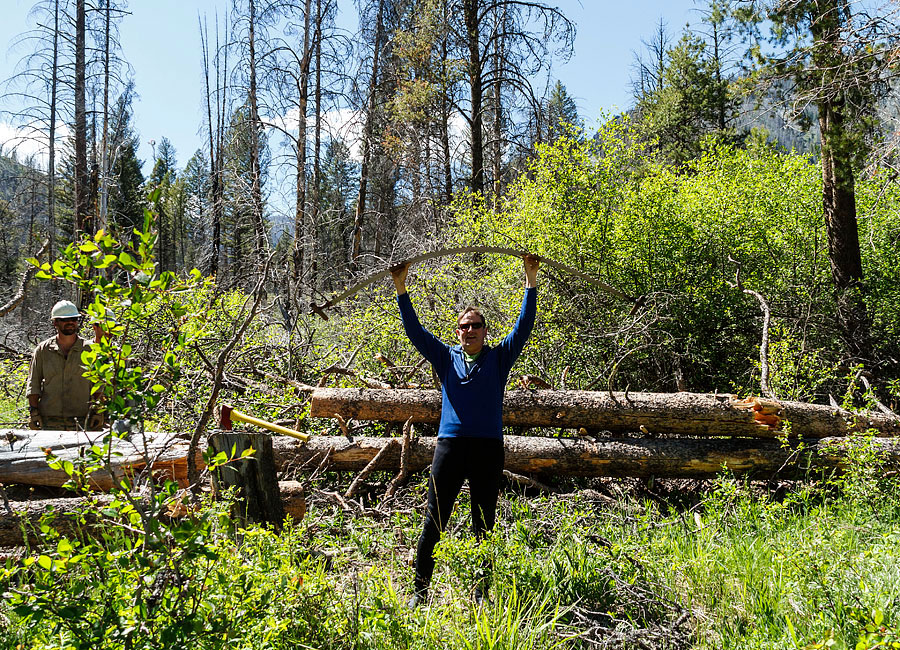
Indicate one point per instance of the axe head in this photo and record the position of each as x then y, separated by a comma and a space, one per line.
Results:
225, 417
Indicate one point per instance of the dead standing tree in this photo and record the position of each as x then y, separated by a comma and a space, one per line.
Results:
40, 87
82, 173
289, 69
217, 101
108, 38
518, 40
249, 29
367, 135
286, 69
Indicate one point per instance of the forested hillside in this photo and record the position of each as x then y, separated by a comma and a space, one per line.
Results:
736, 231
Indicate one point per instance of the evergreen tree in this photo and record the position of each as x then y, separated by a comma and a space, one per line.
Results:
126, 196
10, 244
197, 187
687, 104
841, 60
560, 111
239, 168
339, 182
164, 177
165, 165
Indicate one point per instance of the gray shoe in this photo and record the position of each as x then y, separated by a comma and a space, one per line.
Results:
417, 599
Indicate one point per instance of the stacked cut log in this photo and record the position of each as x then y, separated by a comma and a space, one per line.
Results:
24, 455
690, 414
634, 457
622, 434
643, 434
21, 521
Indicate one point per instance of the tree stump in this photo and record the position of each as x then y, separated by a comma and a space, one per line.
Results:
255, 477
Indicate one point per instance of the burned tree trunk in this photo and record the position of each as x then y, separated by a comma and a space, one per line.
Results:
82, 175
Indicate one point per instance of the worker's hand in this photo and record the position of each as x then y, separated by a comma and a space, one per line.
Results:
35, 421
398, 274
532, 264
96, 422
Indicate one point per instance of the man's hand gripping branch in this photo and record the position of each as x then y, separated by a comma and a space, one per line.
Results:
398, 275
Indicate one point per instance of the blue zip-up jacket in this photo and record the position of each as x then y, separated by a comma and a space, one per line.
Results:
472, 402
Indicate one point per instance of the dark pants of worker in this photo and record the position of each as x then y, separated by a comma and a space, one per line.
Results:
480, 460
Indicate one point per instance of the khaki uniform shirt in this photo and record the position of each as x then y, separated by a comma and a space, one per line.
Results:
59, 380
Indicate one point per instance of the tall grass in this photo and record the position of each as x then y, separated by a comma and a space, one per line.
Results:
812, 564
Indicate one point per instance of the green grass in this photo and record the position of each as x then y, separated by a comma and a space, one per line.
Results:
816, 565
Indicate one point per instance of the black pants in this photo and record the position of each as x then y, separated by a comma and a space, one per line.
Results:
480, 460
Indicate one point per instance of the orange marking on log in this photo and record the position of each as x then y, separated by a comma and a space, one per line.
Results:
766, 412
771, 421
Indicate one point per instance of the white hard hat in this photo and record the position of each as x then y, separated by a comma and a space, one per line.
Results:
64, 309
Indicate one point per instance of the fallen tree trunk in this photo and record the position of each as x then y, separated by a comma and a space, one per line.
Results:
619, 457
690, 414
77, 516
23, 459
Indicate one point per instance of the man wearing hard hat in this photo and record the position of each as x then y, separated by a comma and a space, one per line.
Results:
59, 396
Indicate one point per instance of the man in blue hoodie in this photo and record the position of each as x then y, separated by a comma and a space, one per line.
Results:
470, 436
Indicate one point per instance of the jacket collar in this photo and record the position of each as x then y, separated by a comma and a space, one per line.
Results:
77, 345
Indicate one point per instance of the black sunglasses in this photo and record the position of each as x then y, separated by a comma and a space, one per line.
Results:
74, 319
464, 327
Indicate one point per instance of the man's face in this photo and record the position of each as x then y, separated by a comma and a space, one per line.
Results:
471, 332
67, 326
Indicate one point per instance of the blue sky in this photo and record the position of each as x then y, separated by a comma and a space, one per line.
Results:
160, 40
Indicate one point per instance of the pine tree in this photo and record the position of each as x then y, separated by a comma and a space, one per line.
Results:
340, 176
126, 196
163, 177
561, 112
239, 170
688, 102
198, 216
841, 61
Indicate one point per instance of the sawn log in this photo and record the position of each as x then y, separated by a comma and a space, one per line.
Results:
80, 515
23, 456
663, 458
690, 414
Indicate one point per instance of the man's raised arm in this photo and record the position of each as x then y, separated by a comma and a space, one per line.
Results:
424, 341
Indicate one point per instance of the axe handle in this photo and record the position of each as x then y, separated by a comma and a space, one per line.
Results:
271, 426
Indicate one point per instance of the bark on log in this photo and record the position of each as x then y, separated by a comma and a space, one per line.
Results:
23, 456
663, 458
690, 414
27, 514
